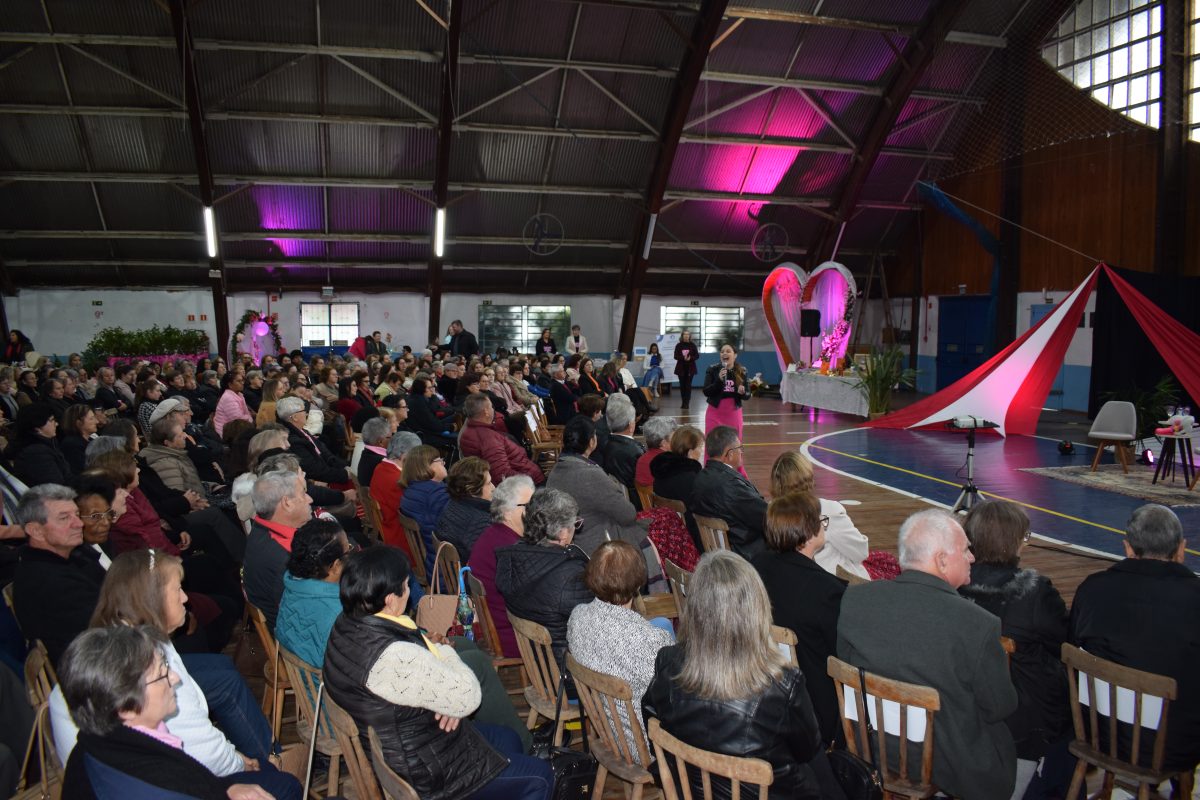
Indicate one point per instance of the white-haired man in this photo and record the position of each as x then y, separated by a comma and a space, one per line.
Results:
918, 629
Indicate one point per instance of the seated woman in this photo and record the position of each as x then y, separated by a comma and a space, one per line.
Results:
541, 576
507, 513
415, 693
845, 545
34, 452
654, 374
149, 394
232, 404
466, 516
167, 455
607, 635
99, 503
804, 597
144, 589
658, 431
1033, 615
425, 495
79, 425
675, 471
422, 418
725, 687
122, 690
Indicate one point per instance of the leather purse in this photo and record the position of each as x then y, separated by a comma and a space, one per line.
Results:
574, 772
859, 779
437, 612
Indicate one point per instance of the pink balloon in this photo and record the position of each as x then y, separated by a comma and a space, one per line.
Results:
261, 328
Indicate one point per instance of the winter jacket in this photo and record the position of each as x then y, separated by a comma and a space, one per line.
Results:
174, 467
563, 406
674, 476
422, 419
231, 406
139, 527
504, 456
1033, 615
483, 567
777, 726
462, 523
318, 463
387, 492
720, 491
620, 460
262, 572
439, 765
715, 390
74, 449
41, 461
603, 503
54, 597
424, 501
140, 757
307, 612
543, 584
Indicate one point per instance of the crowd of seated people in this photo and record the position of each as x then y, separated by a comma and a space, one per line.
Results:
158, 498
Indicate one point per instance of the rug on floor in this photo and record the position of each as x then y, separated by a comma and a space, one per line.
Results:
1137, 483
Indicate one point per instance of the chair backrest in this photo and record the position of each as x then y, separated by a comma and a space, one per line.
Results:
645, 496
445, 566
40, 678
39, 683
533, 640
677, 579
785, 640
1132, 694
416, 544
849, 577
658, 501
608, 703
306, 682
394, 787
1009, 646
485, 627
259, 620
345, 732
714, 533
7, 591
1116, 416
373, 514
904, 710
736, 770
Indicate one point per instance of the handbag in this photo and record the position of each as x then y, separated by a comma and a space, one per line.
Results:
859, 779
574, 772
437, 612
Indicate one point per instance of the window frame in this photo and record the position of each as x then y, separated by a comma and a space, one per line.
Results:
708, 335
329, 324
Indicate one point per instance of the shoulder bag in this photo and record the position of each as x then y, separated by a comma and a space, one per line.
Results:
859, 779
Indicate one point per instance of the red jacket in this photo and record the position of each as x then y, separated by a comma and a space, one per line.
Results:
140, 527
386, 490
504, 456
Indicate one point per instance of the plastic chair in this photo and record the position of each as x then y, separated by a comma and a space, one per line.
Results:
615, 735
394, 787
736, 770
1115, 425
1136, 695
542, 691
714, 533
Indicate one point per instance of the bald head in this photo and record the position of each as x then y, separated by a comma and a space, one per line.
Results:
933, 541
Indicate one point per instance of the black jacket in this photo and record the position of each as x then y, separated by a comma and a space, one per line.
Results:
602, 437
621, 455
107, 398
253, 398
40, 460
367, 463
807, 599
463, 344
318, 463
206, 401
674, 476
721, 491
438, 765
1144, 613
563, 408
543, 584
447, 387
545, 347
54, 597
74, 449
262, 571
686, 367
1032, 613
422, 419
170, 504
462, 523
778, 726
716, 390
143, 758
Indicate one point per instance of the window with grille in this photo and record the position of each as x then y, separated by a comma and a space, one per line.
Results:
711, 326
328, 324
521, 326
1193, 72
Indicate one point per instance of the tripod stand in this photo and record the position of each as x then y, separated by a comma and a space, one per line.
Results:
969, 496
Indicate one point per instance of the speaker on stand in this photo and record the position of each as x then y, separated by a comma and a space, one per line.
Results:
810, 327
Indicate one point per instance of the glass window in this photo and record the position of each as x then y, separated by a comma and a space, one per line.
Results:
328, 324
711, 326
521, 326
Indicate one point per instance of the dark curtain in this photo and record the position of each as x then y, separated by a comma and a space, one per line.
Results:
1122, 354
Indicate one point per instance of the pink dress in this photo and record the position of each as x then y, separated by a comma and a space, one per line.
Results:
726, 411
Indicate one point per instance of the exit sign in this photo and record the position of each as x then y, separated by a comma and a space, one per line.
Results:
97, 302
695, 302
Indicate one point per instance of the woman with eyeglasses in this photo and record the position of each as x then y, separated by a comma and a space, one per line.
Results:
845, 545
541, 577
1033, 615
425, 494
100, 503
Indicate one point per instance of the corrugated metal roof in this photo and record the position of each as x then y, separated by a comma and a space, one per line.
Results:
39, 142
383, 210
630, 36
95, 85
233, 80
132, 144
283, 208
385, 24
251, 147
24, 15
47, 206
498, 158
149, 207
32, 78
254, 20
127, 16
616, 164
519, 27
368, 151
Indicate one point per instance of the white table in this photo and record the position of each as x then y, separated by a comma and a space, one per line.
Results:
828, 392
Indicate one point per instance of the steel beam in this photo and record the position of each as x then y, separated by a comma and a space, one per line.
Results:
1170, 214
441, 177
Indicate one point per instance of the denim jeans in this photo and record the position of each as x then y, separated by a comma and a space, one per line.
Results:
279, 785
231, 704
525, 777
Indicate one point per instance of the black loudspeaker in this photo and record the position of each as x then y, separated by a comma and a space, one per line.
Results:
810, 322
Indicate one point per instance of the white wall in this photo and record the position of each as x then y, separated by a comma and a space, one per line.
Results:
404, 315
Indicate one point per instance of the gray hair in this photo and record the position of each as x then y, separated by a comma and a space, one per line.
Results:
254, 373
270, 489
476, 404
555, 371
725, 631
925, 534
375, 430
720, 440
548, 512
208, 375
659, 430
287, 406
280, 462
263, 441
102, 671
504, 497
32, 505
101, 445
105, 371
619, 412
401, 442
1154, 531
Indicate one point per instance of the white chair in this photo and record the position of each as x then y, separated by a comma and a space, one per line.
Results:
1115, 425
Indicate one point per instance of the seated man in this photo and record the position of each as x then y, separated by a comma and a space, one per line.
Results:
281, 505
479, 437
919, 630
54, 589
318, 463
1144, 612
621, 453
721, 491
562, 400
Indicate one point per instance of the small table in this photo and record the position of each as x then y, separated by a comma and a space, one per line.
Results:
828, 392
1166, 459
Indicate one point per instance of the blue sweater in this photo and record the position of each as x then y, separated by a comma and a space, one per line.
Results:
306, 615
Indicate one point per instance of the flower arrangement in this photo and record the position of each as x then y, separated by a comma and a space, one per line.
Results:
833, 344
757, 384
156, 344
252, 320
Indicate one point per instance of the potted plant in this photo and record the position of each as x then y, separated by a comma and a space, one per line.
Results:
884, 371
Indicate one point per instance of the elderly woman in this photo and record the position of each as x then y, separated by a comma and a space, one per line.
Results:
607, 635
804, 597
603, 503
845, 545
79, 425
725, 686
658, 431
425, 495
388, 491
217, 721
507, 512
1033, 615
541, 576
99, 503
467, 514
122, 690
416, 693
167, 455
232, 404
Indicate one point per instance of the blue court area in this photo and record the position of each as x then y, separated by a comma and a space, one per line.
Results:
932, 464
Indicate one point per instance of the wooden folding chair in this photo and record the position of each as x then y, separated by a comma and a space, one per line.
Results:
897, 713
485, 633
785, 640
1009, 646
645, 496
374, 517
312, 703
542, 691
277, 684
446, 565
39, 683
677, 579
416, 545
615, 734
394, 787
678, 506
1141, 701
714, 533
736, 770
848, 576
345, 733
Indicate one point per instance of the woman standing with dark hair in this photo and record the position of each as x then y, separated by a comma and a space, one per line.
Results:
686, 354
17, 346
545, 345
416, 694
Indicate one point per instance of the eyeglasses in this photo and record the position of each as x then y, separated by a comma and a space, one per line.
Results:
166, 676
825, 523
578, 523
439, 461
100, 516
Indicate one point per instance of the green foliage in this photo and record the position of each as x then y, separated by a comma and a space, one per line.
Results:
1150, 404
147, 341
884, 371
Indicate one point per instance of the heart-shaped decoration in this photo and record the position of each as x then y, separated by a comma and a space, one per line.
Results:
789, 291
